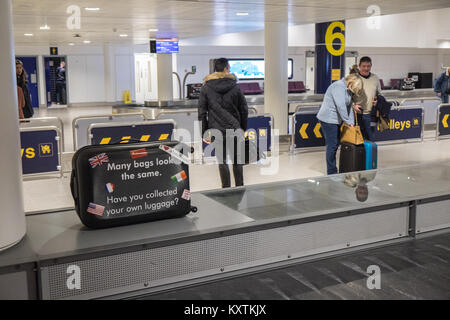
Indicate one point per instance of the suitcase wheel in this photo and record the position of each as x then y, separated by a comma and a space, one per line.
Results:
194, 209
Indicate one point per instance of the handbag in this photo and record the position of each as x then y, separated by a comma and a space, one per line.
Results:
250, 155
353, 134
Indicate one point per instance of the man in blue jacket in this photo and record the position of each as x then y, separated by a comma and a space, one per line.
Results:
442, 86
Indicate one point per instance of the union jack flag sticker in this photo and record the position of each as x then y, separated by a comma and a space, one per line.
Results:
98, 160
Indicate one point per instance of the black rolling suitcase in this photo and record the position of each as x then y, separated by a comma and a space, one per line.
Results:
352, 158
115, 185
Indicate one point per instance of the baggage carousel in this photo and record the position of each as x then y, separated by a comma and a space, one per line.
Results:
235, 231
152, 109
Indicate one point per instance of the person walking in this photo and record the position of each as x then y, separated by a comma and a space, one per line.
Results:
336, 108
22, 82
222, 106
61, 83
442, 86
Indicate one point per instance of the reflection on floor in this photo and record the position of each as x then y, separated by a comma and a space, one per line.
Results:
412, 270
56, 105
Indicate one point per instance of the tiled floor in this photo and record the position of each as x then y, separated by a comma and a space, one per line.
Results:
415, 270
49, 194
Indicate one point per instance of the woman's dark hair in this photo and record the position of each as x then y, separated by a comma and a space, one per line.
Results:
365, 59
23, 78
220, 64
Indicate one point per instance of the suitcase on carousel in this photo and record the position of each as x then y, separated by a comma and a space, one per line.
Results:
371, 155
121, 184
352, 157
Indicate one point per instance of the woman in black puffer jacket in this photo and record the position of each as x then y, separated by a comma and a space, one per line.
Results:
22, 82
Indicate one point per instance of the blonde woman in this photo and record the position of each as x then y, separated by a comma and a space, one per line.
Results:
336, 108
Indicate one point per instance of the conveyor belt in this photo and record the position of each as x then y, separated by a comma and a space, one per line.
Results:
417, 269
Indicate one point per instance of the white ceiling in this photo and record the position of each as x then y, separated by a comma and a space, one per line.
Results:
184, 18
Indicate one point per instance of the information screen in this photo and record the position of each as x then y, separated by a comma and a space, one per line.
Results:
166, 46
253, 69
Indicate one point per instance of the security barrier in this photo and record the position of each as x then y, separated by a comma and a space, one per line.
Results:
81, 124
406, 124
152, 130
430, 105
259, 128
40, 150
185, 119
45, 121
293, 108
306, 131
252, 111
443, 122
308, 106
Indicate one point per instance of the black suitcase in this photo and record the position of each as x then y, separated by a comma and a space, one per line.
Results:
115, 185
352, 158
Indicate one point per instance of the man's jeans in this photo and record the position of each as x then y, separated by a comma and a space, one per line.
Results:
332, 136
364, 123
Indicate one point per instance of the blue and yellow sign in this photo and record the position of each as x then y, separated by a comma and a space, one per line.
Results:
444, 121
259, 128
308, 132
404, 124
39, 151
131, 133
329, 54
53, 51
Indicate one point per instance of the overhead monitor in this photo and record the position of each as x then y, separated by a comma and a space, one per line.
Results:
253, 69
164, 46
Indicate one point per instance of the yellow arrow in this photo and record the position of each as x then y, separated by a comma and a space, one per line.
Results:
444, 121
317, 130
303, 130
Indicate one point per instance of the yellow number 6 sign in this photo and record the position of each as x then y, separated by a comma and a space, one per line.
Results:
330, 37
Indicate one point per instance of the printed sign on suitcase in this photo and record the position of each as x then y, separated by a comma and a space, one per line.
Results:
128, 184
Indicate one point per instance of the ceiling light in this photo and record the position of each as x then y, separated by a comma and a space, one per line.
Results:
71, 44
152, 30
46, 27
92, 9
123, 35
86, 41
28, 34
242, 13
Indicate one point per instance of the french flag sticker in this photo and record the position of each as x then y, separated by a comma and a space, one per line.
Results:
110, 187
